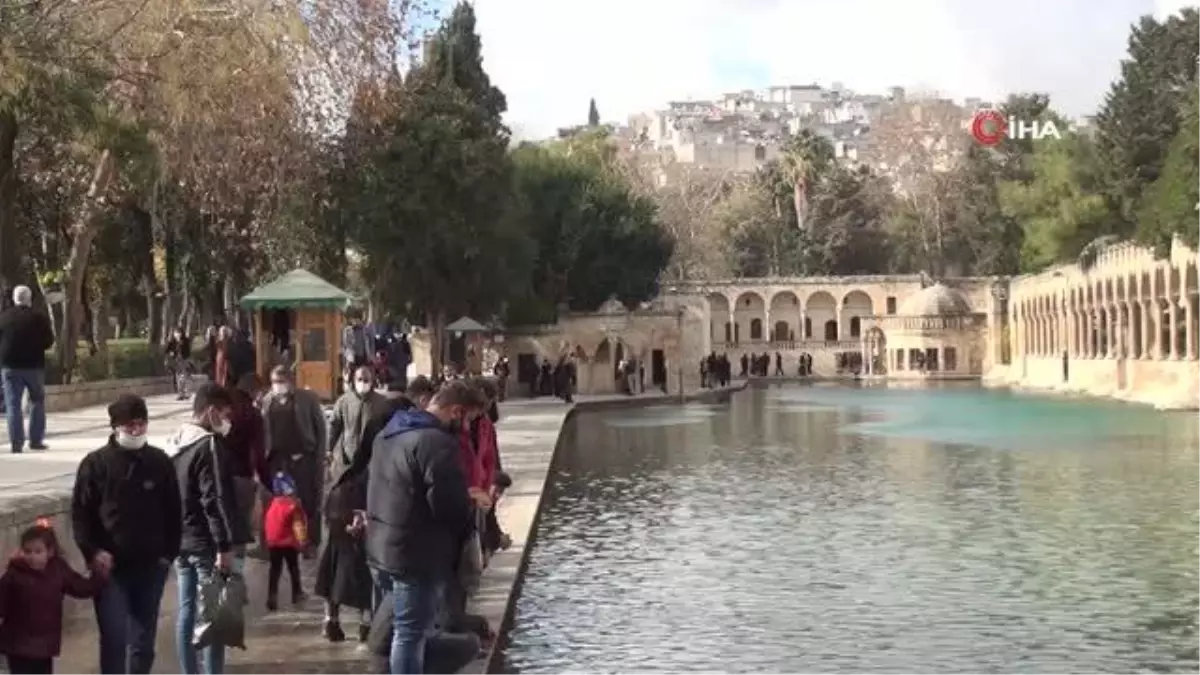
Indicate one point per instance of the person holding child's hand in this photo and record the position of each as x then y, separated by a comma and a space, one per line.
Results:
31, 601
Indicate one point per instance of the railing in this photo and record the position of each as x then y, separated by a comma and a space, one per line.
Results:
849, 344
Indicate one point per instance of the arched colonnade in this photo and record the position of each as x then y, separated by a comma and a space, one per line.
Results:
749, 316
1149, 313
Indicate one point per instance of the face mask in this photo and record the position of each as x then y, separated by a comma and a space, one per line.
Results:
363, 388
130, 441
223, 427
280, 388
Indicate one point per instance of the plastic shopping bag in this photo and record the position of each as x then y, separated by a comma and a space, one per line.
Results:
221, 620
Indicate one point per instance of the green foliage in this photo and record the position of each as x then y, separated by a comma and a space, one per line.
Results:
1171, 201
124, 359
1057, 212
595, 236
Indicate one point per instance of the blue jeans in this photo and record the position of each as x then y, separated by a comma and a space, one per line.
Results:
192, 571
16, 382
127, 618
416, 607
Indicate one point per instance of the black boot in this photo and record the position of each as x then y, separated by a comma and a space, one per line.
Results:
364, 631
332, 631
272, 602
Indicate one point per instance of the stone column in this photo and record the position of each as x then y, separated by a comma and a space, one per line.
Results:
837, 316
1147, 328
733, 336
1116, 337
800, 336
1189, 326
1130, 337
1174, 295
1063, 328
866, 364
768, 327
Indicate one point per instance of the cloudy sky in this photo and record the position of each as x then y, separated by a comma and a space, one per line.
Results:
551, 56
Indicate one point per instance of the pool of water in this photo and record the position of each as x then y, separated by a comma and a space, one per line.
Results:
839, 529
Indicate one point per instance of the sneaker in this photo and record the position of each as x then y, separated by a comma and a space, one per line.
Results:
364, 632
272, 603
332, 631
38, 446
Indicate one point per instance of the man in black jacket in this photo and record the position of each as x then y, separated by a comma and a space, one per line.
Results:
25, 335
213, 524
125, 511
417, 511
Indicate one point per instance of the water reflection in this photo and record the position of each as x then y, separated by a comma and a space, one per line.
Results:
836, 529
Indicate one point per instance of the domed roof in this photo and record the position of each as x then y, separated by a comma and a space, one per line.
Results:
935, 300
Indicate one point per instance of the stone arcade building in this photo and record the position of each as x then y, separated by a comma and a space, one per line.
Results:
843, 323
1126, 328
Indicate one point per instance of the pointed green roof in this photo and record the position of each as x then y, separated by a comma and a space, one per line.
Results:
466, 325
298, 288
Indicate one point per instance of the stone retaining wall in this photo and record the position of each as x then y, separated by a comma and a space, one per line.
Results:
61, 397
20, 513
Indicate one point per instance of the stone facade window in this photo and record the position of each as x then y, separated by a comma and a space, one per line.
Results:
891, 304
951, 359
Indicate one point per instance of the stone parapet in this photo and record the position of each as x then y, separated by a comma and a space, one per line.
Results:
19, 513
61, 397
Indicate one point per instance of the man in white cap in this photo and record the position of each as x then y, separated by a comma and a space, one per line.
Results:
25, 335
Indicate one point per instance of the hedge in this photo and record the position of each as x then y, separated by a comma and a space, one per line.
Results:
126, 359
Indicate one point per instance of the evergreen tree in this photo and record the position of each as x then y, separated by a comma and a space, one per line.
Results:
593, 114
1170, 203
435, 220
1141, 114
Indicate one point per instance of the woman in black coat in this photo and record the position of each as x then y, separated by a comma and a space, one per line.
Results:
343, 577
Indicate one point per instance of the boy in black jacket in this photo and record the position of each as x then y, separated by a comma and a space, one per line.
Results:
125, 512
213, 525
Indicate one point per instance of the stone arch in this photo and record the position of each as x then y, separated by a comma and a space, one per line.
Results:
821, 308
719, 318
748, 306
855, 305
875, 342
785, 316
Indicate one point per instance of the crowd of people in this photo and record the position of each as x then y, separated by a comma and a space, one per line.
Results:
396, 493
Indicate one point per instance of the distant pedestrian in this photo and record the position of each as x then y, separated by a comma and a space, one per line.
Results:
127, 521
296, 442
179, 361
213, 525
351, 413
31, 601
286, 528
25, 335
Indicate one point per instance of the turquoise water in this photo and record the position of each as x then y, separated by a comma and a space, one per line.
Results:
966, 414
872, 529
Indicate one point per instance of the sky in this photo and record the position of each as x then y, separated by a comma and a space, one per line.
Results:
551, 56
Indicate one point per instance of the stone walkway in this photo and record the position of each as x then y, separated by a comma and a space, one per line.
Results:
288, 641
71, 435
